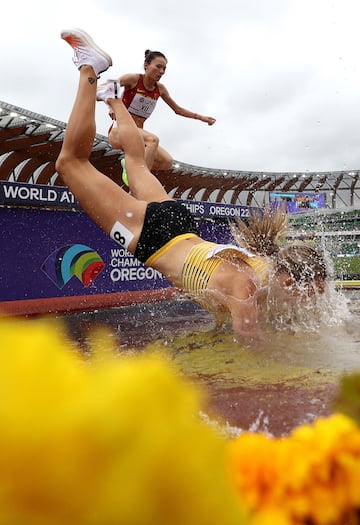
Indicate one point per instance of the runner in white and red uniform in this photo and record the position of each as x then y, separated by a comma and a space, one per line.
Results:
141, 92
140, 101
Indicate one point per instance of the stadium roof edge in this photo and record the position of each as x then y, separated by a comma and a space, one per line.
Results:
30, 143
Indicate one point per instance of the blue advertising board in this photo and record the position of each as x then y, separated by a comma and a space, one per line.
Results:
51, 248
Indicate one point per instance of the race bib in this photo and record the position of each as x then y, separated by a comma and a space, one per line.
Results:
142, 106
121, 234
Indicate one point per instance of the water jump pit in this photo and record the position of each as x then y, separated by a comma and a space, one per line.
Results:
286, 380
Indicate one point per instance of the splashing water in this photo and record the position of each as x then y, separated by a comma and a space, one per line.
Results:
287, 379
304, 313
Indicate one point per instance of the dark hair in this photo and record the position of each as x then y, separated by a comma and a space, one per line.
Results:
150, 55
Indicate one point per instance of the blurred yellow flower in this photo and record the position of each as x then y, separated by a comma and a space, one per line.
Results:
112, 440
313, 475
109, 440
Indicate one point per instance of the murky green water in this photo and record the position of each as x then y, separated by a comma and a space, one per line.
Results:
285, 380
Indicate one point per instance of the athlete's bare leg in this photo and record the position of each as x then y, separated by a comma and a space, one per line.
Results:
103, 200
163, 161
156, 157
142, 183
151, 142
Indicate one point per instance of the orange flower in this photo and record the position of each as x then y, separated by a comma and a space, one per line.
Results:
313, 474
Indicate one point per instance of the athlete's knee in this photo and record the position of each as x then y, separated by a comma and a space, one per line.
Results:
151, 140
62, 163
66, 165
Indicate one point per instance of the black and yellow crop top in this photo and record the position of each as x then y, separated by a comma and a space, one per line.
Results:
204, 258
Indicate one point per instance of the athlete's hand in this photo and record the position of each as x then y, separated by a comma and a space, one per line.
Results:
245, 325
209, 120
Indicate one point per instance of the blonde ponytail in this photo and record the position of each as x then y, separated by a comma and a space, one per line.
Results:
263, 233
262, 236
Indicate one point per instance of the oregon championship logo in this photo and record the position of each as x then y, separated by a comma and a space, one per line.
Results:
73, 260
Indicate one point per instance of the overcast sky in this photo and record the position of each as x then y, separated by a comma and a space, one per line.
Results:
282, 77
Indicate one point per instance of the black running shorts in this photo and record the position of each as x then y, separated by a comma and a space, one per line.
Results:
163, 221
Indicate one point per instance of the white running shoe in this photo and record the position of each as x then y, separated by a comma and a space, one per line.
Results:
86, 52
111, 89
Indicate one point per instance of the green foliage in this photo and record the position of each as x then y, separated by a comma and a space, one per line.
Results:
348, 399
347, 266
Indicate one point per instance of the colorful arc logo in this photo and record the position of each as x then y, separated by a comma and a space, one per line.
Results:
73, 260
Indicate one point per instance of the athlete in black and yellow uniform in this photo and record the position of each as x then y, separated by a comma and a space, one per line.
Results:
161, 232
